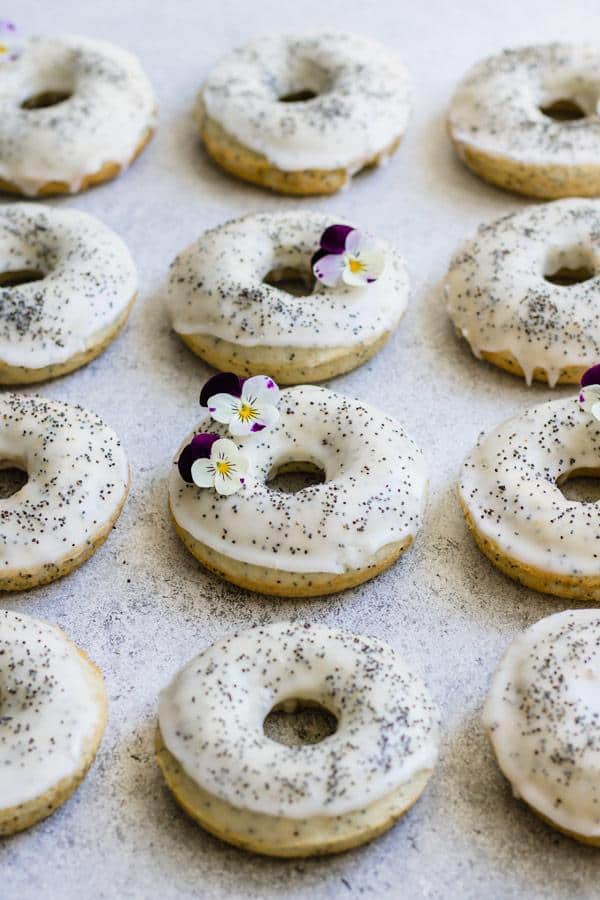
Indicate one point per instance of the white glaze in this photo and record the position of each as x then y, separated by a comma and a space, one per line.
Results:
508, 484
110, 111
216, 287
362, 106
496, 107
543, 713
78, 474
373, 494
50, 708
90, 279
211, 719
500, 302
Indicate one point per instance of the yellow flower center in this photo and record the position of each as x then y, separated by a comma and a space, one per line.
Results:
223, 467
246, 412
3, 48
355, 265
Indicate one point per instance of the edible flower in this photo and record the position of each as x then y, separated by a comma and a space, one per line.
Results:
347, 254
212, 461
9, 49
245, 405
589, 395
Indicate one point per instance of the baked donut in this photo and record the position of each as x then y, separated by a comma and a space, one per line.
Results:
301, 114
523, 291
527, 120
77, 482
543, 717
259, 794
228, 300
517, 514
74, 112
53, 717
322, 539
66, 287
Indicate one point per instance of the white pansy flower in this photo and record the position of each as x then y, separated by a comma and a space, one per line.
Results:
253, 410
224, 470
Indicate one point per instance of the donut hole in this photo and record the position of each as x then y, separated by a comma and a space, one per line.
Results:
580, 485
18, 277
12, 478
574, 265
296, 722
300, 96
45, 98
297, 282
293, 477
301, 80
564, 109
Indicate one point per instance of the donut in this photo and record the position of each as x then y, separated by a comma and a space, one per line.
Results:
53, 717
543, 717
74, 112
301, 114
231, 301
259, 794
66, 289
523, 291
77, 482
526, 120
322, 539
510, 494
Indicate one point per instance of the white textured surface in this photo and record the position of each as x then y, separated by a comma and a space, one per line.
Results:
142, 607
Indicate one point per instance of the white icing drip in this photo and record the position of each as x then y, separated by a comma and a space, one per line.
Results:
543, 712
89, 280
499, 300
78, 473
50, 707
216, 287
362, 106
110, 109
373, 495
508, 484
496, 107
211, 719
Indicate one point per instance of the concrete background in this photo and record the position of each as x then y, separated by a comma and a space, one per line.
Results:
142, 607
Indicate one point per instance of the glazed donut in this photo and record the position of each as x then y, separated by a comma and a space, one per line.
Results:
510, 494
53, 718
73, 112
301, 114
66, 287
523, 291
78, 478
261, 795
543, 716
326, 537
225, 302
527, 120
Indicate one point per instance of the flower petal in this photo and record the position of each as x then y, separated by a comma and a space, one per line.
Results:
373, 261
198, 448
268, 415
353, 275
203, 473
329, 269
260, 386
589, 399
334, 238
224, 449
228, 484
223, 407
354, 242
223, 383
241, 428
592, 376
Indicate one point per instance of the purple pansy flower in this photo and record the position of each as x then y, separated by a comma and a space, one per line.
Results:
347, 254
246, 405
198, 448
9, 49
589, 395
212, 461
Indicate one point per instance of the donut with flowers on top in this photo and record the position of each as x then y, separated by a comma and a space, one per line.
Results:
74, 112
321, 797
322, 539
301, 114
292, 293
510, 492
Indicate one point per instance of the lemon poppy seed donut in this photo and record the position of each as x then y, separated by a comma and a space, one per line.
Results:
77, 482
527, 120
519, 517
262, 795
543, 717
53, 718
301, 114
74, 112
67, 283
523, 292
225, 302
326, 537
